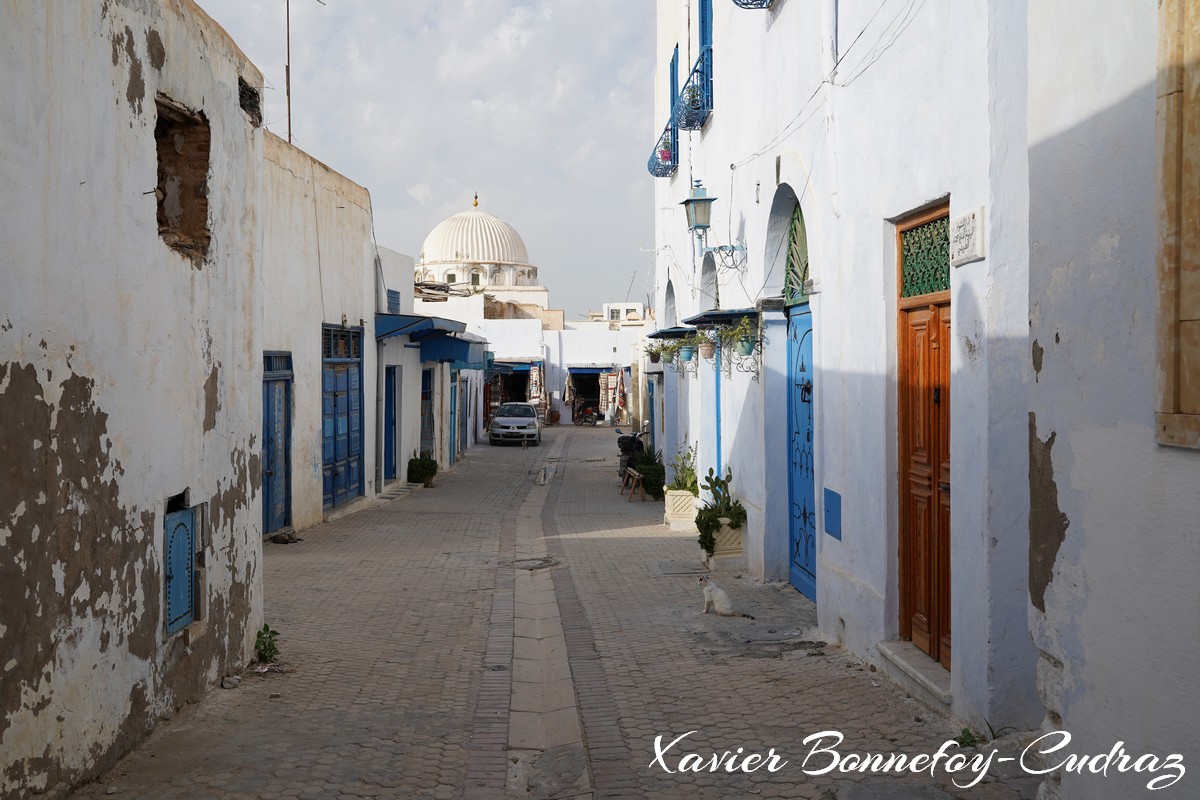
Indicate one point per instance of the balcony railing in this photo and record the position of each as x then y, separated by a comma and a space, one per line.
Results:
665, 157
695, 98
753, 3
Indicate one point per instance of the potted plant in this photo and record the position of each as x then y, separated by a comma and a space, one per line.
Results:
687, 351
741, 337
720, 521
668, 349
707, 347
664, 153
653, 351
422, 468
681, 492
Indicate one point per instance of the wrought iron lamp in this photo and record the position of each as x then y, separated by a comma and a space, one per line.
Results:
699, 209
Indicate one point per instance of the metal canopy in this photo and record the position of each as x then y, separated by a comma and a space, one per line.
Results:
721, 316
671, 333
414, 326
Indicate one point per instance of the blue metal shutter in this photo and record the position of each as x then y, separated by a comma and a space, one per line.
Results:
705, 24
179, 546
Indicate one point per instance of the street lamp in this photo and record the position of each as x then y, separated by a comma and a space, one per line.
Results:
699, 209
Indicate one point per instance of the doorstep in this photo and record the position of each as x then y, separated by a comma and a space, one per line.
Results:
917, 673
354, 506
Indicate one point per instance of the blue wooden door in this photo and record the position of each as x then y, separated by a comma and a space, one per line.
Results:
802, 516
453, 419
179, 543
276, 458
341, 433
650, 402
389, 423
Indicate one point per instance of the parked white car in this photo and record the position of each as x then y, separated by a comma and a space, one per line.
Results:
515, 422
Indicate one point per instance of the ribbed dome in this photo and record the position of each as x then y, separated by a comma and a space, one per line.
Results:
473, 237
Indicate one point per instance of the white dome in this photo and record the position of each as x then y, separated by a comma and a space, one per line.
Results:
474, 237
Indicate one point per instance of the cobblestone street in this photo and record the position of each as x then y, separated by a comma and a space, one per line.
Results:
520, 630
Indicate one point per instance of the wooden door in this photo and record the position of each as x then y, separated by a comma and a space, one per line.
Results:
924, 438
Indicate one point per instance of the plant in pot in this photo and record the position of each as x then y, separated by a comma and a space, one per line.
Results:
650, 465
681, 492
706, 346
720, 520
653, 351
688, 345
741, 337
422, 468
668, 350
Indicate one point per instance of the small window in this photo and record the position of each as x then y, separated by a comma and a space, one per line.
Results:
182, 139
341, 344
248, 98
614, 314
475, 278
451, 277
183, 563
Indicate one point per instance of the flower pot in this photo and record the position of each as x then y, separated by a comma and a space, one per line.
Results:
744, 347
664, 155
707, 349
680, 510
686, 353
654, 357
667, 358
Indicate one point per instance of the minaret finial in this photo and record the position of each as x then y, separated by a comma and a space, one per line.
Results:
476, 204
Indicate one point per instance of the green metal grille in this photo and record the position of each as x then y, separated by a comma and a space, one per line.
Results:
797, 260
925, 254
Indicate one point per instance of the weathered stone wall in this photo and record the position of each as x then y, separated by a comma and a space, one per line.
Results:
129, 374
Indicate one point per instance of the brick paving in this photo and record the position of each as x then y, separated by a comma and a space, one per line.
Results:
412, 632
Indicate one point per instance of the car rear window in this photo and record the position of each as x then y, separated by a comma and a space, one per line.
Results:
515, 411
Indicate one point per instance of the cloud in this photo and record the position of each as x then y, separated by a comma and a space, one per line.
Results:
421, 193
545, 107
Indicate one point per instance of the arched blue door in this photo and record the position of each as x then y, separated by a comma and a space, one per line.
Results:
802, 510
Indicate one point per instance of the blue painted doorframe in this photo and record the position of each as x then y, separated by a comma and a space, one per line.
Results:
389, 423
453, 418
802, 516
277, 402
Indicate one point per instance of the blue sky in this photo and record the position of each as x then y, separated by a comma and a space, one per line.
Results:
545, 107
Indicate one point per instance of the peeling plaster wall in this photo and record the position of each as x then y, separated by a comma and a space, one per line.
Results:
318, 267
935, 112
128, 374
1115, 517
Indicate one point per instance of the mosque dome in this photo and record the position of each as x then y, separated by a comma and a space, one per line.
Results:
478, 249
474, 237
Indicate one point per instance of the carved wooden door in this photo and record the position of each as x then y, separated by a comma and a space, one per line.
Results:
924, 436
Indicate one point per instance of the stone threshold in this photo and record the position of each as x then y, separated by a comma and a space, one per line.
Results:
917, 673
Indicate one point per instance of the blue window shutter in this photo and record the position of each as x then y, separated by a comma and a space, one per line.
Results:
179, 546
674, 78
705, 24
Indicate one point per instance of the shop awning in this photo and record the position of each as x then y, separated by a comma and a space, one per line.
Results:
589, 370
720, 316
670, 333
462, 349
415, 326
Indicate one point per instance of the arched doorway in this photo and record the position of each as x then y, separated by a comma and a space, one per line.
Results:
788, 258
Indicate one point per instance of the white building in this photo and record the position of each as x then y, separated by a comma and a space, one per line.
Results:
474, 267
856, 151
130, 377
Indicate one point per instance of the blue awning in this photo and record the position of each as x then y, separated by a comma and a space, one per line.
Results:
415, 326
589, 370
670, 333
464, 353
720, 316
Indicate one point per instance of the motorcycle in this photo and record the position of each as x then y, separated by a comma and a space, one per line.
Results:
587, 415
630, 445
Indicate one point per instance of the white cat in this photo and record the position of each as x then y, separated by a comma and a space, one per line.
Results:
718, 601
